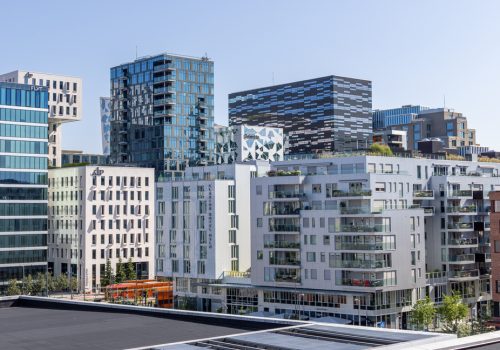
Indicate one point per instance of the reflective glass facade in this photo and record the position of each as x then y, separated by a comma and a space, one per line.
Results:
23, 180
319, 115
396, 116
162, 113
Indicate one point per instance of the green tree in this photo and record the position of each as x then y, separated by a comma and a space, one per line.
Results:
381, 149
130, 270
108, 275
423, 313
73, 283
61, 282
28, 285
13, 288
452, 312
120, 271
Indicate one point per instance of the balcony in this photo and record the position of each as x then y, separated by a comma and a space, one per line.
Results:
423, 194
162, 67
285, 194
460, 226
463, 275
284, 228
460, 194
284, 262
282, 244
164, 101
164, 90
163, 78
463, 242
338, 193
364, 246
462, 258
355, 210
164, 113
355, 282
467, 210
363, 228
360, 264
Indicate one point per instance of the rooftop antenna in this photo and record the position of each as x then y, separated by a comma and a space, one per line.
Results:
136, 52
273, 78
444, 101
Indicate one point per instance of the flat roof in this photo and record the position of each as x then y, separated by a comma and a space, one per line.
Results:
49, 323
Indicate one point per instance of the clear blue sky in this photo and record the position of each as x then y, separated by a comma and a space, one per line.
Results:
414, 52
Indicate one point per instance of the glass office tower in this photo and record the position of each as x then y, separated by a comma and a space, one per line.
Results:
23, 180
162, 113
317, 115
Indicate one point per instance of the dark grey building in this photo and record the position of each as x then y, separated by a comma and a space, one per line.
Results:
162, 113
318, 115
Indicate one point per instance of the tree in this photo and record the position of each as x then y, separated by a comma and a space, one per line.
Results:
108, 274
130, 270
73, 283
120, 272
13, 288
381, 149
28, 285
61, 282
452, 311
423, 313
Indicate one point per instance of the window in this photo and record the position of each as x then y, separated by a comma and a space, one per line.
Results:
311, 257
326, 240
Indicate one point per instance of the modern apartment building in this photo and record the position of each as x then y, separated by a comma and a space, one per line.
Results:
385, 118
162, 113
245, 142
395, 139
100, 213
495, 253
105, 124
203, 227
423, 123
363, 238
23, 181
318, 115
65, 103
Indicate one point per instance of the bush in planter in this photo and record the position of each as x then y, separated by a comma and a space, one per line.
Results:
271, 173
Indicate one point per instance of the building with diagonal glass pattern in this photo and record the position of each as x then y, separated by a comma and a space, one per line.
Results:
318, 115
162, 113
23, 180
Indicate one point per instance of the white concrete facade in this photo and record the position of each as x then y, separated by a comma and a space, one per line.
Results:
100, 213
65, 103
203, 223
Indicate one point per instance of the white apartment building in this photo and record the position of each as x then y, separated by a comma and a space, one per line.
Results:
203, 226
65, 103
363, 238
100, 213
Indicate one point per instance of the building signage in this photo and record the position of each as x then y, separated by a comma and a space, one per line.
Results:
251, 136
97, 172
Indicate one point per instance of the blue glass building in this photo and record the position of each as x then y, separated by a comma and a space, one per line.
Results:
318, 115
162, 113
396, 116
23, 180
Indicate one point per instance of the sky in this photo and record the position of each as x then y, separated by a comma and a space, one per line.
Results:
432, 53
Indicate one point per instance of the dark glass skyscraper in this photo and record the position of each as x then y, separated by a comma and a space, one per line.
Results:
23, 180
317, 115
162, 113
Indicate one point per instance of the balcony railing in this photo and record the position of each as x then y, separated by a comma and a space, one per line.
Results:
164, 101
338, 193
284, 228
464, 274
285, 262
165, 89
423, 194
465, 209
460, 226
163, 67
282, 244
467, 258
360, 264
355, 282
363, 228
355, 210
285, 194
463, 241
364, 246
460, 193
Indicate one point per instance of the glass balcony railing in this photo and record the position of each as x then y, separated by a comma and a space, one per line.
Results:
464, 274
360, 282
460, 193
282, 244
466, 258
360, 264
338, 193
363, 228
364, 246
164, 90
355, 210
460, 226
164, 101
285, 194
163, 67
464, 209
423, 194
284, 228
463, 241
284, 261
